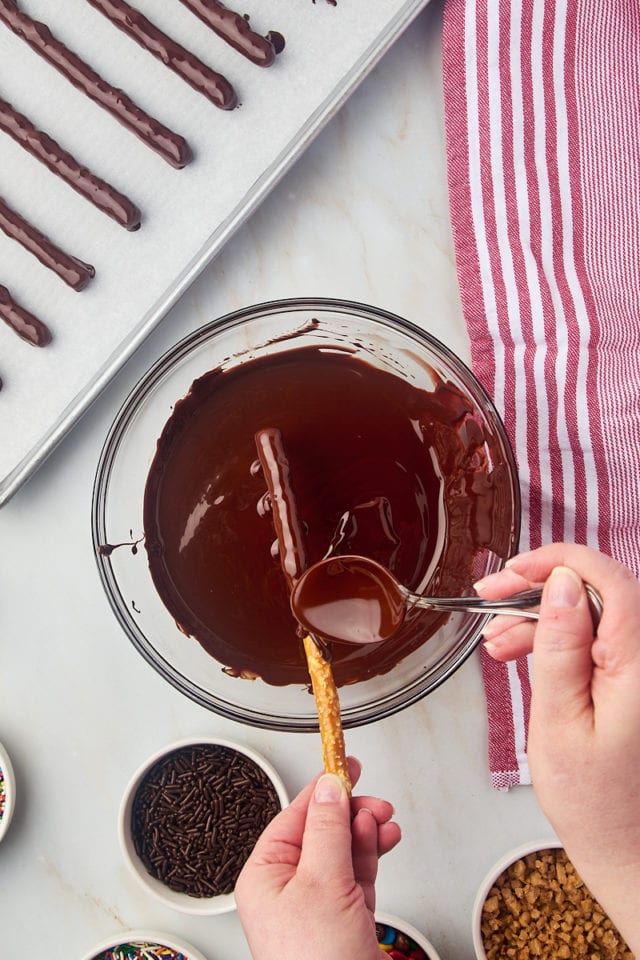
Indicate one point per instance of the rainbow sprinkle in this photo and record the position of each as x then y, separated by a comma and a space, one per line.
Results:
140, 951
3, 795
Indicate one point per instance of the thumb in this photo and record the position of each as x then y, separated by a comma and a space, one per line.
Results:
562, 660
326, 844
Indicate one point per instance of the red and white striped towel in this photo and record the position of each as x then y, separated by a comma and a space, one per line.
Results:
542, 106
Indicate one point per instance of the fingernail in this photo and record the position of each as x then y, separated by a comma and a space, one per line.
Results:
490, 647
329, 789
518, 556
564, 588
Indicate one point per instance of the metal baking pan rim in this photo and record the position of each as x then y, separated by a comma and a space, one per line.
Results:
33, 460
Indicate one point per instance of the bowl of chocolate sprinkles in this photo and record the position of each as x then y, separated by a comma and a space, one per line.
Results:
191, 815
143, 945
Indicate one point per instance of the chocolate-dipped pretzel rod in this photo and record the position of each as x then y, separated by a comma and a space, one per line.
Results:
74, 272
198, 75
293, 559
169, 145
235, 29
48, 151
22, 322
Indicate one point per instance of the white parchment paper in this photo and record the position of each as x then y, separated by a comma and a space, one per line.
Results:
187, 214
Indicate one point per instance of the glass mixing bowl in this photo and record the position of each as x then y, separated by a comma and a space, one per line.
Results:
379, 338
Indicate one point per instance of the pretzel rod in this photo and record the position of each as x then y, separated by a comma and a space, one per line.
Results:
22, 322
328, 706
198, 75
169, 145
74, 272
235, 30
293, 559
40, 145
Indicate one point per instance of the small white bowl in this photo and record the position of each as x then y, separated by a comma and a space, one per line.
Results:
151, 937
390, 920
199, 906
532, 846
9, 783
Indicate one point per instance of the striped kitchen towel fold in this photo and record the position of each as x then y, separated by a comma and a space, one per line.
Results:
542, 107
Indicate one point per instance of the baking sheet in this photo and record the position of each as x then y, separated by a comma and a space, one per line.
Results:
187, 214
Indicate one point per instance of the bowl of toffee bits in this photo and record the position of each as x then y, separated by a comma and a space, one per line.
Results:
191, 815
533, 905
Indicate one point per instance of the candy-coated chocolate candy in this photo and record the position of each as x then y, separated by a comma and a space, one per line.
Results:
388, 935
385, 946
403, 943
417, 954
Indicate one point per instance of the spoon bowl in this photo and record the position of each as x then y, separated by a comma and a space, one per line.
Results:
354, 599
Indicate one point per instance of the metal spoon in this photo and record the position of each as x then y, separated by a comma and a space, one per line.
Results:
356, 600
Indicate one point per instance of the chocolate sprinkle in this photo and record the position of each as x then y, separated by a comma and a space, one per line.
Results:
169, 145
22, 322
198, 75
44, 148
197, 815
235, 30
74, 272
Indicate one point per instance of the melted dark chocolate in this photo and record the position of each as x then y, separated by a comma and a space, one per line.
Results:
172, 147
378, 467
40, 145
235, 29
198, 75
282, 503
349, 599
22, 322
74, 272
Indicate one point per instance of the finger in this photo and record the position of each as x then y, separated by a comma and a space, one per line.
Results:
501, 584
281, 840
509, 638
562, 661
382, 810
389, 836
326, 844
364, 851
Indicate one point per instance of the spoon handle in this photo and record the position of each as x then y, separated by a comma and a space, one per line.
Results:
517, 605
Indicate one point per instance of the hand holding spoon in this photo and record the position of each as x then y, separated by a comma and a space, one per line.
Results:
356, 600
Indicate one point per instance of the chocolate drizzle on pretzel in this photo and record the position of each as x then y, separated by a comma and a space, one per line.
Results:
74, 272
22, 322
169, 145
235, 30
45, 149
198, 75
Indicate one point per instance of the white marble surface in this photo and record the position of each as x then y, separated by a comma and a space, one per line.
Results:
364, 216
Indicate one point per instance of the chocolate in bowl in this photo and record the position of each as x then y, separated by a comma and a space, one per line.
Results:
395, 451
